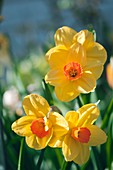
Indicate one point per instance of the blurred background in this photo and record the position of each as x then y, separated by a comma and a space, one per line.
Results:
26, 33
31, 24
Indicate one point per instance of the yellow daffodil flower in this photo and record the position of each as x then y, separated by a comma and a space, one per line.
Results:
41, 126
82, 134
76, 62
109, 73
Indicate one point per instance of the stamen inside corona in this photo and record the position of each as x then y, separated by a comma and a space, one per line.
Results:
81, 134
38, 128
73, 71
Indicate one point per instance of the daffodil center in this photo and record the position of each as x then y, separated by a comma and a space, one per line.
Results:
39, 128
73, 71
81, 134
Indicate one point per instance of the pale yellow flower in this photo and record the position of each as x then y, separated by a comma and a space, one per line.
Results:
76, 62
82, 134
40, 126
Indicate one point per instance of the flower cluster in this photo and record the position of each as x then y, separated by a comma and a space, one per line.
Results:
75, 133
75, 64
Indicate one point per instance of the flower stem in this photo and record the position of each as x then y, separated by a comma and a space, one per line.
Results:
40, 159
80, 102
21, 155
66, 165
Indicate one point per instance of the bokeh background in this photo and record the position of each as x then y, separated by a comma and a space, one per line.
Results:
31, 24
26, 33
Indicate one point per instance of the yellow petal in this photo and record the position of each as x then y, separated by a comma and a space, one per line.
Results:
53, 52
96, 57
96, 53
77, 54
64, 36
43, 142
22, 125
83, 155
33, 143
59, 124
28, 107
56, 142
86, 83
67, 91
85, 38
55, 77
109, 73
58, 59
87, 114
70, 148
72, 118
35, 105
96, 71
97, 137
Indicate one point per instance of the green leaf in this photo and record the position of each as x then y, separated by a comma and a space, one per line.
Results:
47, 92
107, 115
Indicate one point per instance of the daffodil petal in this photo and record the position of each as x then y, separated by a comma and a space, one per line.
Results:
77, 54
85, 38
43, 142
64, 36
48, 54
22, 125
35, 105
32, 142
55, 77
83, 155
96, 71
59, 54
66, 92
40, 104
59, 124
53, 50
97, 137
72, 118
87, 114
96, 54
96, 57
28, 107
70, 148
56, 142
86, 83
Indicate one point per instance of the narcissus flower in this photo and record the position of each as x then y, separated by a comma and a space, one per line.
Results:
40, 126
76, 62
109, 73
82, 134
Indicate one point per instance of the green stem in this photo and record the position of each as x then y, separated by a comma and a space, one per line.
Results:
39, 163
59, 156
66, 165
21, 155
80, 102
96, 159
